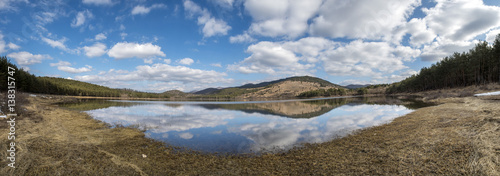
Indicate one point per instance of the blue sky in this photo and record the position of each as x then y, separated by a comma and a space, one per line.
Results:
190, 45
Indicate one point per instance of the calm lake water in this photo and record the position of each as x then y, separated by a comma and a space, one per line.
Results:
248, 127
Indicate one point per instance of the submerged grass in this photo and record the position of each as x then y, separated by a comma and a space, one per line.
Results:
459, 137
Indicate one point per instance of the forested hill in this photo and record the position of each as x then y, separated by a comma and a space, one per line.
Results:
481, 65
311, 79
27, 82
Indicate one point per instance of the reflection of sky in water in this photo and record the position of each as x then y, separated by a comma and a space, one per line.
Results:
221, 130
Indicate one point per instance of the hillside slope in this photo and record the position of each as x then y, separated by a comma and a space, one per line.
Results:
287, 89
282, 88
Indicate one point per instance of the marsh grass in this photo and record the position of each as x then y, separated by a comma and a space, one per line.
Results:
438, 140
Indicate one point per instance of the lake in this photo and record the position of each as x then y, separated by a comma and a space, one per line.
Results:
247, 127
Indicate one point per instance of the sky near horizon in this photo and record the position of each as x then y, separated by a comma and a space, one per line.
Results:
189, 45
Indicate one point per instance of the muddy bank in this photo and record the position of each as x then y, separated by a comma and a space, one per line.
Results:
457, 137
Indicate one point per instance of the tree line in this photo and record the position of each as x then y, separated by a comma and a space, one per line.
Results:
26, 82
323, 93
480, 65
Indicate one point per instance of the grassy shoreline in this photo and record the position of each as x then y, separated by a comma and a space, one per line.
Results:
457, 137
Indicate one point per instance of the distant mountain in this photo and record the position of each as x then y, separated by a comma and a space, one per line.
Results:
356, 86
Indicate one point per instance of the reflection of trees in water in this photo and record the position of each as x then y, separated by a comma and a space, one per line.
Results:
312, 108
290, 109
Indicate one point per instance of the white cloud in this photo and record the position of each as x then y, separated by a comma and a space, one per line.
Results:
282, 57
167, 61
211, 26
368, 19
419, 32
81, 17
65, 66
462, 19
300, 57
162, 73
287, 18
442, 48
98, 2
360, 58
100, 36
186, 61
128, 50
69, 69
56, 44
12, 46
140, 9
491, 36
96, 50
60, 63
452, 26
25, 58
242, 38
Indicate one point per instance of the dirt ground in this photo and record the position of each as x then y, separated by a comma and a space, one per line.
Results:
458, 137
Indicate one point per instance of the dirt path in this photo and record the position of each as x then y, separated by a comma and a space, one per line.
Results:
458, 137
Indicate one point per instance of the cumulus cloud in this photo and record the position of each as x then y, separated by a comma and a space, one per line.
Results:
268, 57
124, 50
357, 58
469, 19
293, 57
211, 25
491, 36
65, 66
287, 18
25, 58
142, 10
12, 46
81, 17
56, 43
162, 73
242, 38
369, 19
442, 48
96, 50
100, 36
438, 35
186, 61
98, 2
360, 58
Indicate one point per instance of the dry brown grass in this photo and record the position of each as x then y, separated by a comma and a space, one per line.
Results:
458, 92
459, 137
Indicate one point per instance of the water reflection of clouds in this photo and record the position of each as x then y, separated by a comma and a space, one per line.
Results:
363, 116
264, 131
161, 119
